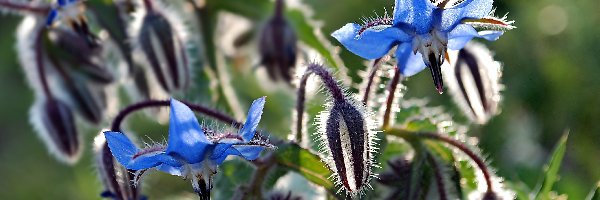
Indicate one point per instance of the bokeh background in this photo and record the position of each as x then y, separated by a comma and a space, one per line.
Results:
551, 69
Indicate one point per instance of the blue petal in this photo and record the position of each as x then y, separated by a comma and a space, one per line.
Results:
220, 149
417, 14
176, 171
248, 152
470, 9
463, 33
124, 151
254, 114
62, 2
51, 17
186, 138
121, 147
409, 63
370, 44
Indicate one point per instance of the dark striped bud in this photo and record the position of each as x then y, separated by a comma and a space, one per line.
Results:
117, 181
161, 47
67, 48
89, 99
278, 46
348, 144
473, 78
55, 124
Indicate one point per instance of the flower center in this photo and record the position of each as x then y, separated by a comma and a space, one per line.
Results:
431, 44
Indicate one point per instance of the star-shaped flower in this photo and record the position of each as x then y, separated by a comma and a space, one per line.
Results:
422, 32
192, 152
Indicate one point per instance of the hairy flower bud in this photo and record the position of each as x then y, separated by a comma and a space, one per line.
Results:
162, 49
70, 49
116, 179
348, 144
473, 78
55, 124
278, 46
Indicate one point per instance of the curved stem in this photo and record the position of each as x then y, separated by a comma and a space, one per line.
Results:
371, 79
20, 6
148, 5
327, 79
41, 67
116, 125
390, 98
406, 134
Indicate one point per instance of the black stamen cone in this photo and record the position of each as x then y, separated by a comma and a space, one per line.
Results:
435, 65
204, 190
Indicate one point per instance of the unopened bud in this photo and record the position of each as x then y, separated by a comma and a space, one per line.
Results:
278, 46
67, 48
116, 179
348, 144
473, 78
89, 99
163, 50
55, 124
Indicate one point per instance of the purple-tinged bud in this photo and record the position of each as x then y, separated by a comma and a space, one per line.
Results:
348, 141
89, 99
55, 124
473, 78
67, 48
118, 182
160, 44
278, 46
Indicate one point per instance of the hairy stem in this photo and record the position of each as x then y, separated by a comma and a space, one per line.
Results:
371, 79
390, 98
409, 135
327, 79
41, 67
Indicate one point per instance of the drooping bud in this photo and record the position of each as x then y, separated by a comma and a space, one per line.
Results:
118, 182
473, 78
278, 46
55, 124
70, 49
348, 141
160, 43
398, 178
89, 99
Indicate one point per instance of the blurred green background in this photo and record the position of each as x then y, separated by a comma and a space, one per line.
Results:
551, 67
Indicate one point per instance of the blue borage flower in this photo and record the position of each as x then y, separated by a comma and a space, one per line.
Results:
192, 152
422, 31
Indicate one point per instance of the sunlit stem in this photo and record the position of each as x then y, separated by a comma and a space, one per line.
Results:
409, 135
22, 6
329, 82
437, 173
390, 98
372, 73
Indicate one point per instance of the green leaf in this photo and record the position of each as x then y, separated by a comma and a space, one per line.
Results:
551, 170
595, 193
521, 190
306, 163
